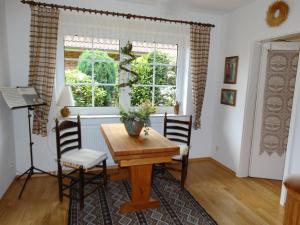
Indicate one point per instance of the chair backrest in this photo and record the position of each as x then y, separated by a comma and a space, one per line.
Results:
68, 136
178, 130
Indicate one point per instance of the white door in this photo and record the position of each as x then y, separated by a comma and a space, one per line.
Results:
264, 164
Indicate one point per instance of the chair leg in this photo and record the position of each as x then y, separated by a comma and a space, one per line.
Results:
183, 170
60, 182
186, 167
104, 174
81, 187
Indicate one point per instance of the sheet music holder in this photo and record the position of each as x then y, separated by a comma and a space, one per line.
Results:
24, 97
21, 97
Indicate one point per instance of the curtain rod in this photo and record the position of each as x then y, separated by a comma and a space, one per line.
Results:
108, 13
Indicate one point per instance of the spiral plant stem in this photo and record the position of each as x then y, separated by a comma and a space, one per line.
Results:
133, 76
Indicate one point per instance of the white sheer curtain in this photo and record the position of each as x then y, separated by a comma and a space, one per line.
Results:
123, 29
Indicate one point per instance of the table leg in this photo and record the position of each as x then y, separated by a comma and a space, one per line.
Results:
140, 177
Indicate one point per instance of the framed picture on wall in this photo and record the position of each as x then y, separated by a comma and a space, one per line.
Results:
230, 71
228, 97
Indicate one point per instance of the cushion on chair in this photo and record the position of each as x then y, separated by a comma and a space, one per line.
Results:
84, 157
183, 151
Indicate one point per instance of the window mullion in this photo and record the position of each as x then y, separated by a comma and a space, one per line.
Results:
153, 76
93, 74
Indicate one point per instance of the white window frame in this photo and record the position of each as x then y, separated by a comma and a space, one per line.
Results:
124, 98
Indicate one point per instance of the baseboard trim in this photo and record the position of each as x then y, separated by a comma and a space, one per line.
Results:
222, 166
202, 159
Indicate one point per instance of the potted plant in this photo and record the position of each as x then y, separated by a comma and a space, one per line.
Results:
135, 119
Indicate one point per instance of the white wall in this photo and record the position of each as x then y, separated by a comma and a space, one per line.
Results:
18, 22
243, 28
224, 130
7, 151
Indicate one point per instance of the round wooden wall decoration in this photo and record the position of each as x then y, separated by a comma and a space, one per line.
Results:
277, 13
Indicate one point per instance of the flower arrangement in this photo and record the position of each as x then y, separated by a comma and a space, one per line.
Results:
135, 119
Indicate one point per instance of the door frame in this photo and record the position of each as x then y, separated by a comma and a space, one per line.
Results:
249, 115
256, 135
250, 107
287, 168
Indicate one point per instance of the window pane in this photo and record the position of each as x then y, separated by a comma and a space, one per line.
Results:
70, 65
106, 96
86, 51
140, 95
165, 75
143, 65
79, 71
106, 72
77, 43
82, 95
89, 63
144, 71
74, 76
74, 47
166, 54
164, 96
144, 51
110, 46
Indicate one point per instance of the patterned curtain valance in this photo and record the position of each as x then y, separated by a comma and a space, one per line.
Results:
200, 41
43, 41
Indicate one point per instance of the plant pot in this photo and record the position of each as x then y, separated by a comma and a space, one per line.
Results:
133, 127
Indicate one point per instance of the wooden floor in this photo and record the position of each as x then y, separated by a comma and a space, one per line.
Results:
229, 200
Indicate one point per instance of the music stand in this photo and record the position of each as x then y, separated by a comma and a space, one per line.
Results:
24, 97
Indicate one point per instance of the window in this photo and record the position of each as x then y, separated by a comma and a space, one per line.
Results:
91, 69
156, 65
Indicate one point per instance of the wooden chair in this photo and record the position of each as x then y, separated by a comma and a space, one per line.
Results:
178, 131
71, 154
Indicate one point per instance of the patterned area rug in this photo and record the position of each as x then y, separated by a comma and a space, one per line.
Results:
102, 207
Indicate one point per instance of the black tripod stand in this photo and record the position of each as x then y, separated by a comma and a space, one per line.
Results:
32, 169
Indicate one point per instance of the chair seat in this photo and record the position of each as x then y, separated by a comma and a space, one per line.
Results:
84, 157
183, 151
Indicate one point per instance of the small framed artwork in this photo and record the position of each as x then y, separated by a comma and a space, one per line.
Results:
228, 97
230, 71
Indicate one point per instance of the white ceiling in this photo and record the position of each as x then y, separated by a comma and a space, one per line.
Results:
217, 6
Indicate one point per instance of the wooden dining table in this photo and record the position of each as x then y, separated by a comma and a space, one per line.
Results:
138, 154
